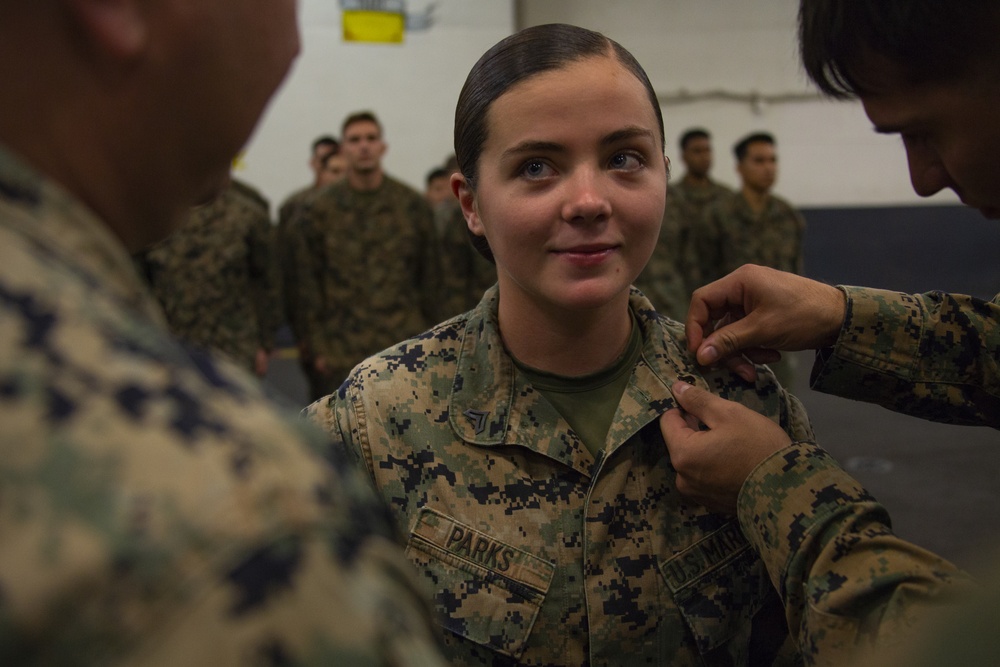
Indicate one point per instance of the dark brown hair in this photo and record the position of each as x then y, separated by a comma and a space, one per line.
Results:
928, 39
512, 60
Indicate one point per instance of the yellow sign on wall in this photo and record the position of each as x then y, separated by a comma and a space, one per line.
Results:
372, 26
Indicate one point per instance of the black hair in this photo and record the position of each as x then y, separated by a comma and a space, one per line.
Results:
692, 134
435, 173
741, 146
360, 117
928, 39
325, 140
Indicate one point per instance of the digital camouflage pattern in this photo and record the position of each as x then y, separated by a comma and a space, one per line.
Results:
691, 202
934, 356
216, 278
368, 272
664, 278
154, 509
289, 218
732, 235
849, 584
539, 554
465, 274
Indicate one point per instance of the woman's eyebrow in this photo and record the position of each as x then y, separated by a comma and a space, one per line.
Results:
532, 146
630, 132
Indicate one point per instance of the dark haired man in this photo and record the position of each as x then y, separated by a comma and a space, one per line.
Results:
367, 259
752, 226
929, 72
322, 148
697, 190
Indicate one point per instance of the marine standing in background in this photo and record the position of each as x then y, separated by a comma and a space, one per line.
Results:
663, 279
752, 226
217, 281
693, 193
466, 272
367, 261
322, 147
156, 509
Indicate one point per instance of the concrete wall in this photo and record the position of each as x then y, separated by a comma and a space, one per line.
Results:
412, 87
829, 155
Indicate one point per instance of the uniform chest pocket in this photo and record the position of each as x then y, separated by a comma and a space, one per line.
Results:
485, 590
726, 598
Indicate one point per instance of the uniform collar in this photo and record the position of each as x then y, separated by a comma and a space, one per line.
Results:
491, 403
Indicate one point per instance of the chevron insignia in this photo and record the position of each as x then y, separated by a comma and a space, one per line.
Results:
477, 418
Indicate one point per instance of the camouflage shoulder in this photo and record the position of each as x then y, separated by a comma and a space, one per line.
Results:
252, 194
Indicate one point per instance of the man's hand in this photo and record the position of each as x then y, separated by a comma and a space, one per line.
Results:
755, 311
712, 465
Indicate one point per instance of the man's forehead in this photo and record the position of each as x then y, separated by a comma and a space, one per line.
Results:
364, 128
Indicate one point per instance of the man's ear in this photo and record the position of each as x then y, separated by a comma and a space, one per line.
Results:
116, 28
467, 199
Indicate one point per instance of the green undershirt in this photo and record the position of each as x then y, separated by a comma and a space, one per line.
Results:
589, 402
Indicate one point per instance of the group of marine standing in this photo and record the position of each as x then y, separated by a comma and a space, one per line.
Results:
359, 260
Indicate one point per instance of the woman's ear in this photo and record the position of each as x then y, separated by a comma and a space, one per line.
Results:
467, 199
115, 28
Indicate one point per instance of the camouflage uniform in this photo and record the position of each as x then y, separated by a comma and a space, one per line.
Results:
216, 279
732, 235
691, 202
934, 356
369, 272
663, 280
289, 218
154, 509
541, 555
253, 194
465, 274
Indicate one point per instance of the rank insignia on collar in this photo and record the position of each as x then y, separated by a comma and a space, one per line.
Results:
477, 418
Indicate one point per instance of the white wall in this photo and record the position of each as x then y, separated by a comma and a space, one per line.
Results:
828, 154
412, 87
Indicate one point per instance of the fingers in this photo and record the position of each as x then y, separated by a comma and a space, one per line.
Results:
695, 401
742, 367
677, 425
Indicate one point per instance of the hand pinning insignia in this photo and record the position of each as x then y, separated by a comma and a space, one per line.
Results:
477, 418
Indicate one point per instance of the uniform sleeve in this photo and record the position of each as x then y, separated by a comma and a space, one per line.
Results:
934, 356
846, 581
342, 595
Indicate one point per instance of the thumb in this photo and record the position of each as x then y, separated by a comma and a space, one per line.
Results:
728, 341
696, 401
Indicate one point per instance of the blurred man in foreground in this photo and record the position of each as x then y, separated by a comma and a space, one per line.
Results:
154, 508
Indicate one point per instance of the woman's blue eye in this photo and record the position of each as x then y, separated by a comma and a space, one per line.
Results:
534, 168
625, 161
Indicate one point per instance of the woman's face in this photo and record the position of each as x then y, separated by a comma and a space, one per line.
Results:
571, 186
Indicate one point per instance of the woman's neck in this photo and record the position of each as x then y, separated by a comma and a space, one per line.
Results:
568, 343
